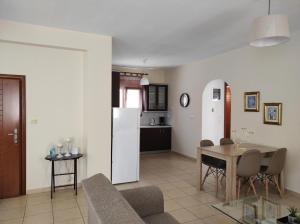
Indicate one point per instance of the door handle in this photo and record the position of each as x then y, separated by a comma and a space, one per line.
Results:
15, 135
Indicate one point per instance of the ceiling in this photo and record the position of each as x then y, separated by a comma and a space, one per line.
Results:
164, 32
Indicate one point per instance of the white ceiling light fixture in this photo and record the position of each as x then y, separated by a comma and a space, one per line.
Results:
144, 81
270, 30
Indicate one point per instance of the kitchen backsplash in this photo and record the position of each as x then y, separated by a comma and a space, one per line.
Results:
147, 116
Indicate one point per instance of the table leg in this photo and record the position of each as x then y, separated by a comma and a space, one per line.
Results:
75, 175
199, 168
281, 182
52, 178
233, 178
74, 178
228, 191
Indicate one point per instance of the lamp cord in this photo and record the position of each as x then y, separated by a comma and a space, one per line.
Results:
269, 12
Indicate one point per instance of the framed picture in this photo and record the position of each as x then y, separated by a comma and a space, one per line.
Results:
251, 101
270, 209
249, 213
216, 94
273, 113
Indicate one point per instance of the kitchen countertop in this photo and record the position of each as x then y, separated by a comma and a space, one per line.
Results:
155, 126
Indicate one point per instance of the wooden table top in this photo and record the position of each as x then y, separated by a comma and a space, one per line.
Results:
71, 157
236, 149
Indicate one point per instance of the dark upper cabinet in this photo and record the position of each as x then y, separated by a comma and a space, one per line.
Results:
155, 139
115, 89
156, 97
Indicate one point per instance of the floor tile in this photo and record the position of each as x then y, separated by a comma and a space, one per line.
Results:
171, 205
190, 190
12, 221
38, 209
64, 204
12, 203
175, 175
85, 220
44, 218
71, 221
15, 213
198, 221
66, 214
83, 210
42, 199
183, 215
174, 193
216, 219
202, 211
188, 201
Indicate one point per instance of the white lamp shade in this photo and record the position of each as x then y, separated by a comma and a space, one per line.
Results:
144, 81
270, 30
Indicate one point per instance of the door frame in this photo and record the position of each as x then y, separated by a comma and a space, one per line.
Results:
22, 80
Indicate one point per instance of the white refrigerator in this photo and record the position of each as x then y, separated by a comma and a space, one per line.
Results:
125, 145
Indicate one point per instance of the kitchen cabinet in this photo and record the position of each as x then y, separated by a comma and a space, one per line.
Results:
156, 97
155, 139
115, 90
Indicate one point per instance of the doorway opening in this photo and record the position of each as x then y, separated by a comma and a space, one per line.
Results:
216, 111
13, 136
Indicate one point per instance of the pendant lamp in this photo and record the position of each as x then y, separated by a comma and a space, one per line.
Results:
270, 30
144, 81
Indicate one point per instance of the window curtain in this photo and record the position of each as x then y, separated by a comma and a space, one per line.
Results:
129, 82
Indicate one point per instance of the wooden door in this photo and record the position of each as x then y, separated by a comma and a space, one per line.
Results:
227, 111
11, 129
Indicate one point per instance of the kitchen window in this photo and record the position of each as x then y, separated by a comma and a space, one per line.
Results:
131, 92
132, 98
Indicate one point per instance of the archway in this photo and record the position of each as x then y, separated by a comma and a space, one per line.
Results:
216, 111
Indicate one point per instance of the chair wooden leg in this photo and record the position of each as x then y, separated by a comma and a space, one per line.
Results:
248, 190
249, 187
275, 178
206, 175
252, 185
222, 178
217, 181
267, 186
239, 188
222, 183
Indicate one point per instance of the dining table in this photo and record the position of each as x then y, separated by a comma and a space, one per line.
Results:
230, 154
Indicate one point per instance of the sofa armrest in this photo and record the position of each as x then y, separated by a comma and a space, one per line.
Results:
145, 200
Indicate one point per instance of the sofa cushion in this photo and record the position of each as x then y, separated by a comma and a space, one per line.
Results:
146, 200
106, 204
162, 218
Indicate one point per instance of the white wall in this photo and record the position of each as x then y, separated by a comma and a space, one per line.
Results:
54, 99
68, 84
213, 112
272, 71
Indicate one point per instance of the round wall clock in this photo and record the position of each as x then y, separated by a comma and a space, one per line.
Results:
184, 100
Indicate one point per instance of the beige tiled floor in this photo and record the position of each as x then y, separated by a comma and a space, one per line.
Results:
175, 175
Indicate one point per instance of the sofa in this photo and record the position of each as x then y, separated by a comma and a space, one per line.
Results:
107, 205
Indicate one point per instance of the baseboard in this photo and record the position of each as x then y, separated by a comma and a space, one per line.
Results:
293, 193
188, 157
47, 189
154, 151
